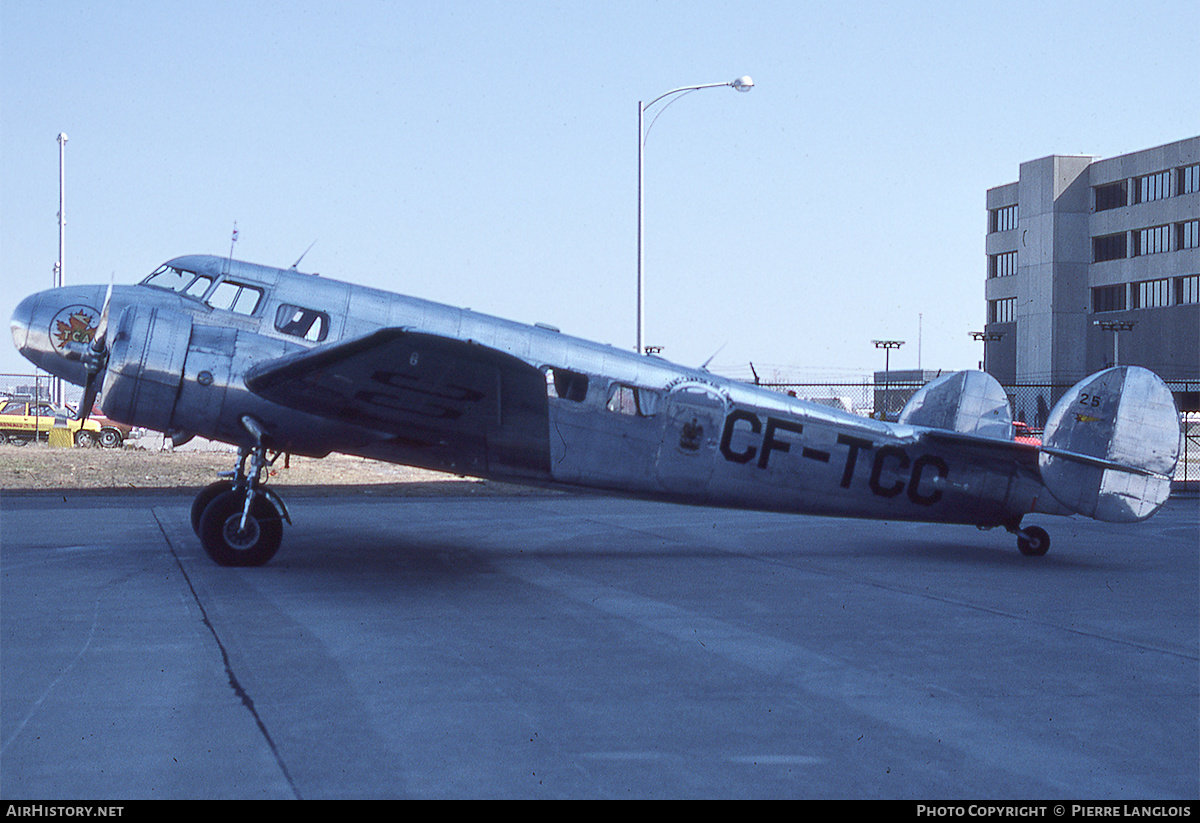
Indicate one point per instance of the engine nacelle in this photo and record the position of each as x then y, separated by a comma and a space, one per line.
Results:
145, 366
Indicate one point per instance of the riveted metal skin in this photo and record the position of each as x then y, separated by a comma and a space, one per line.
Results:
205, 343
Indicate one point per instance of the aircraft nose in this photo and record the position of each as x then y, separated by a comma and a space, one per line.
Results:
22, 319
52, 329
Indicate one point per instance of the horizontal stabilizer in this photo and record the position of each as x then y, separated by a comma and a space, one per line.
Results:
969, 402
1111, 444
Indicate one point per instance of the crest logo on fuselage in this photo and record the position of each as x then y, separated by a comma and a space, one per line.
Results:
72, 330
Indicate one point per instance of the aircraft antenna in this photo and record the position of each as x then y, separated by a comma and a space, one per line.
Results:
714, 354
295, 266
232, 243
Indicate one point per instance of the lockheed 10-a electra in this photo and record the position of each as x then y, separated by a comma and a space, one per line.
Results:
276, 361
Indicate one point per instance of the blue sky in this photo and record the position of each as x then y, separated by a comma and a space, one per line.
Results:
484, 154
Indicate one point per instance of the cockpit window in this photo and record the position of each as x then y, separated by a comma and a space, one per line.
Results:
178, 280
310, 324
198, 287
235, 297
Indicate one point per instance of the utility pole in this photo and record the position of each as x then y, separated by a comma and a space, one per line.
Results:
62, 236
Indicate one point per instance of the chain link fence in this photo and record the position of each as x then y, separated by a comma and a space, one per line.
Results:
1030, 404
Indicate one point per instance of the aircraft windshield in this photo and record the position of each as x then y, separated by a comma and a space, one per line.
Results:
179, 280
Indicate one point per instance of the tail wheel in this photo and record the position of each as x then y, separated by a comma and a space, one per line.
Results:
230, 542
1033, 541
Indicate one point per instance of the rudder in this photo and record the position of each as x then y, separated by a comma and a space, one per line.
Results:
1111, 444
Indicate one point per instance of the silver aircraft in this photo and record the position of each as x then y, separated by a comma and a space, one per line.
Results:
276, 361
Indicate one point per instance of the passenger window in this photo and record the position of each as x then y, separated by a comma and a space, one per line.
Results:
14, 408
632, 401
310, 324
235, 297
569, 385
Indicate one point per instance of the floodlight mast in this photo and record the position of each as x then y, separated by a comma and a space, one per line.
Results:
62, 209
62, 236
1116, 327
887, 346
743, 84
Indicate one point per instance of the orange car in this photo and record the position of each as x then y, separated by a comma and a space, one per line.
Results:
1023, 433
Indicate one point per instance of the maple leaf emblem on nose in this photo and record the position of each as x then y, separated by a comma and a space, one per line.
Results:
77, 329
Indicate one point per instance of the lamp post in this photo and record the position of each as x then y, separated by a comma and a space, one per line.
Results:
59, 282
986, 337
743, 83
887, 346
1116, 327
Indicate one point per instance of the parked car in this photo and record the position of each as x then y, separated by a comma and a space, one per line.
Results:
1024, 433
23, 420
112, 434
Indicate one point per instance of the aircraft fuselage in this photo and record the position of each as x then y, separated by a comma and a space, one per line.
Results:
184, 341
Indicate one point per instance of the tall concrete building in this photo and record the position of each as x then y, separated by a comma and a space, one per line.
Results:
1093, 262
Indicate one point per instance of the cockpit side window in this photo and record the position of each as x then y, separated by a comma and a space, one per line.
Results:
178, 280
310, 324
198, 287
235, 297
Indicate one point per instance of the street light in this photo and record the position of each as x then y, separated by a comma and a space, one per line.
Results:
59, 282
1116, 327
887, 346
743, 83
986, 337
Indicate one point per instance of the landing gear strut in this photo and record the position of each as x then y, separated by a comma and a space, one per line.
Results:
239, 523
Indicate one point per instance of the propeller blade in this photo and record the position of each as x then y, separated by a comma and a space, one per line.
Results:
97, 359
89, 398
102, 326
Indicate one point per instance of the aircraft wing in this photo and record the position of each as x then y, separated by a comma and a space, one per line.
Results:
455, 404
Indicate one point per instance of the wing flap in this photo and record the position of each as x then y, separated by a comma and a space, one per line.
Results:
456, 404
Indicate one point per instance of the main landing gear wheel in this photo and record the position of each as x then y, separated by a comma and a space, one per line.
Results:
1033, 541
207, 495
232, 536
240, 523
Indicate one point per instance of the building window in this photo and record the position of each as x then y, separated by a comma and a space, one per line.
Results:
1002, 311
1152, 294
1187, 289
1111, 196
1189, 179
1002, 265
1154, 240
1153, 187
1002, 219
1108, 247
1108, 298
1187, 234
